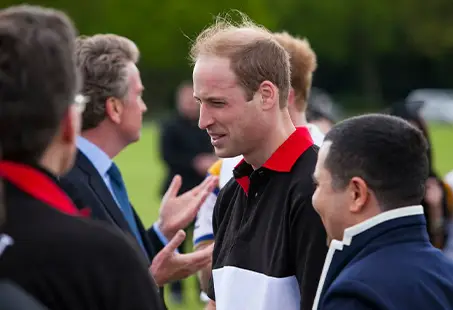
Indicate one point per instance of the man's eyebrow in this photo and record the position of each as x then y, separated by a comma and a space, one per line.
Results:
210, 98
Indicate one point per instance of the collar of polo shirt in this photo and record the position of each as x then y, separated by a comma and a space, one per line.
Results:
282, 160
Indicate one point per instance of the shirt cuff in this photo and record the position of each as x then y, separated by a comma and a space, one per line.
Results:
161, 236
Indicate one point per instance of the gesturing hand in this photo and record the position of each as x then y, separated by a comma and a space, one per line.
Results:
177, 212
168, 265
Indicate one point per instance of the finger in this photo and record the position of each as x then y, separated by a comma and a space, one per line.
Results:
196, 190
174, 187
175, 242
198, 258
213, 184
208, 186
197, 202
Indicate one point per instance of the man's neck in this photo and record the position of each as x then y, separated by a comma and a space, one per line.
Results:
105, 140
298, 118
53, 161
273, 141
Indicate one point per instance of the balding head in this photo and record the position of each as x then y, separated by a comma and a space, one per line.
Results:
254, 55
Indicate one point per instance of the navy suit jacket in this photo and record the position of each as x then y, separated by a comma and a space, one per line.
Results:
88, 190
386, 263
85, 186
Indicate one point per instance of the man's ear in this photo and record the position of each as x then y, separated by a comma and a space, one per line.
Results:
269, 95
114, 109
70, 125
359, 194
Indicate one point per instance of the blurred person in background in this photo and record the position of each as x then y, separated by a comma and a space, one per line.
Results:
449, 179
437, 202
320, 118
186, 151
303, 65
449, 245
111, 121
185, 148
319, 110
48, 247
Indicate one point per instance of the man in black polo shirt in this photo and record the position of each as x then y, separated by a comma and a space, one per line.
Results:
269, 241
47, 248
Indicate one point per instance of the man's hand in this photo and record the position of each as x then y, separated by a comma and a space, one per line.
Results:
168, 266
203, 162
210, 306
177, 212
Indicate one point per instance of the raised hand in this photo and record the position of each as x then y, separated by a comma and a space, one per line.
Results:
168, 265
177, 212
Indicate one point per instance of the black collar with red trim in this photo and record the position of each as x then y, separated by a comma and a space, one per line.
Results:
40, 184
282, 160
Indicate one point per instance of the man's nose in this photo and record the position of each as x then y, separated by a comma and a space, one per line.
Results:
205, 120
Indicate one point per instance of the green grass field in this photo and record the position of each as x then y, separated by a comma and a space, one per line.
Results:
144, 171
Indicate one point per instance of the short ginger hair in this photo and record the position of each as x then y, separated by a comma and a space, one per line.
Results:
255, 56
303, 65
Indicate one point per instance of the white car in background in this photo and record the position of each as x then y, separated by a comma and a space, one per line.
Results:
438, 104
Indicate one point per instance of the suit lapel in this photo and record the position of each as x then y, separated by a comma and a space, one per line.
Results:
99, 187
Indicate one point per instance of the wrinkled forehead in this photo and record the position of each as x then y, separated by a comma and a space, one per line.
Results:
213, 76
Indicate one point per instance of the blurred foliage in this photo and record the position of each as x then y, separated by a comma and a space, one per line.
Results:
362, 46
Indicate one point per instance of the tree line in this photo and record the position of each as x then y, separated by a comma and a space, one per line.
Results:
369, 52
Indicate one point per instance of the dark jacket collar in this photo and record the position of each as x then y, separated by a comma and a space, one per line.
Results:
39, 183
358, 240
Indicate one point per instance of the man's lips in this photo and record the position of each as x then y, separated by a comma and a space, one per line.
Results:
216, 135
216, 138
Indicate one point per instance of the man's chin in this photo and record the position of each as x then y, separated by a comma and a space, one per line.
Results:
224, 153
135, 138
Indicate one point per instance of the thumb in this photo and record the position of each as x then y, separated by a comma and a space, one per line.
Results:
175, 242
174, 187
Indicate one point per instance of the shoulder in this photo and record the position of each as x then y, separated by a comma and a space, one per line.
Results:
75, 173
302, 185
78, 175
73, 180
93, 242
378, 268
307, 160
349, 294
57, 239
